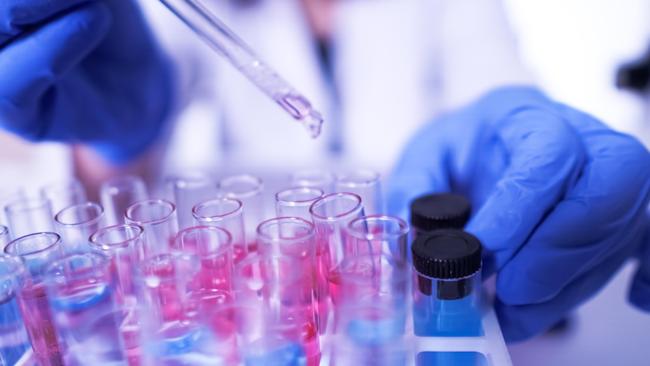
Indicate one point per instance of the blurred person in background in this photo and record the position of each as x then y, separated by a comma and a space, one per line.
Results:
145, 96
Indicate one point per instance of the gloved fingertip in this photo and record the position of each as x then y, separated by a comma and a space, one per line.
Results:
513, 327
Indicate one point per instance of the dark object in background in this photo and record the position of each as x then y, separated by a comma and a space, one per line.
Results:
439, 211
635, 76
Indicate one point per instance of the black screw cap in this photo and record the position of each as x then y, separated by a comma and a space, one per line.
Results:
447, 254
440, 211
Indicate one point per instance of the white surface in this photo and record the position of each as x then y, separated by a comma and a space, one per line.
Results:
605, 331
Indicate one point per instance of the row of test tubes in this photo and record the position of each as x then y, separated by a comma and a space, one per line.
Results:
202, 276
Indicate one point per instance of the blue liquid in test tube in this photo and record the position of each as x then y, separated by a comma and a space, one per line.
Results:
13, 336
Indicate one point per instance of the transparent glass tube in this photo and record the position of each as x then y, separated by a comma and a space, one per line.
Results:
221, 39
293, 237
213, 247
286, 306
365, 183
36, 251
123, 244
29, 215
248, 189
180, 323
82, 295
77, 223
295, 202
331, 215
314, 178
64, 194
226, 213
118, 194
189, 190
379, 234
14, 341
158, 220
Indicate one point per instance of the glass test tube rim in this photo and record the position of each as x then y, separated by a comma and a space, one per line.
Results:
99, 215
27, 204
117, 184
258, 185
304, 177
318, 193
333, 218
51, 274
358, 234
277, 220
124, 243
11, 248
345, 179
151, 202
222, 248
217, 217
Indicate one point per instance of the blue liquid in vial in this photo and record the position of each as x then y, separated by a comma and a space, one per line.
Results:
434, 317
13, 336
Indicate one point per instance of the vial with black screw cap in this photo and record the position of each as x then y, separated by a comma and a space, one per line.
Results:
439, 211
447, 284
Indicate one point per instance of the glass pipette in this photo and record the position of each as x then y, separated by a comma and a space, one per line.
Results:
225, 42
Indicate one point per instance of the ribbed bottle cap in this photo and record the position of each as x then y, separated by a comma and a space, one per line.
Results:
447, 254
440, 211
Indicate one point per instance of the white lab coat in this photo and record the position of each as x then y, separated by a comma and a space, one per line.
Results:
397, 63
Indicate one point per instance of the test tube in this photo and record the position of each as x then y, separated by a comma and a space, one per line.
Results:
286, 307
248, 189
213, 247
64, 194
365, 183
14, 341
188, 191
293, 237
77, 223
29, 215
175, 317
118, 194
447, 265
36, 251
82, 297
158, 220
295, 202
124, 245
226, 213
331, 215
314, 178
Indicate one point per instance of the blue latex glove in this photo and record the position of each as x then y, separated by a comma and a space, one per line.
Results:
82, 71
559, 198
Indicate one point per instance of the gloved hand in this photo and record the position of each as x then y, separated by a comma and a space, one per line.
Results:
82, 71
559, 198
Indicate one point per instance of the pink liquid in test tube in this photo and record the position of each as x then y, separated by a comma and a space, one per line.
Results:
36, 251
